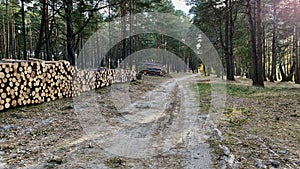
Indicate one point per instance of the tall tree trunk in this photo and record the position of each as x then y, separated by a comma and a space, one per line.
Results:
230, 29
70, 31
24, 31
260, 79
109, 58
274, 44
4, 37
47, 34
269, 61
130, 36
228, 41
7, 55
123, 15
40, 40
30, 40
226, 50
13, 36
253, 42
295, 45
264, 54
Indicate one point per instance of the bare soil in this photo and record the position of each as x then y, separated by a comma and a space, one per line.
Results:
42, 136
55, 135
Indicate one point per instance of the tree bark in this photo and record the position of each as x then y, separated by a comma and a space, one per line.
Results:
264, 54
274, 44
295, 46
24, 32
109, 58
40, 41
124, 49
130, 36
7, 30
13, 36
47, 32
4, 37
260, 79
228, 41
70, 31
231, 28
253, 44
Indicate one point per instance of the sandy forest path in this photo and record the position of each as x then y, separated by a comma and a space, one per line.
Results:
151, 124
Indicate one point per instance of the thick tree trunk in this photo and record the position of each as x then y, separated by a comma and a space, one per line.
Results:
295, 46
228, 42
252, 40
70, 31
40, 40
257, 77
260, 80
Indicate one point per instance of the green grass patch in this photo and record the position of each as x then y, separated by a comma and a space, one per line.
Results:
115, 162
236, 90
203, 88
206, 90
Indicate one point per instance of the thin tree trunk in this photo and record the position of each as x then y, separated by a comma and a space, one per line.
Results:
231, 28
47, 34
274, 44
24, 32
130, 38
123, 15
264, 54
109, 58
4, 37
7, 30
13, 36
30, 41
269, 61
227, 53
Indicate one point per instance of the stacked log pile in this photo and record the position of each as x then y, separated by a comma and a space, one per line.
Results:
122, 75
36, 81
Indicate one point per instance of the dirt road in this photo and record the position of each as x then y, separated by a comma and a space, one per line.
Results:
155, 123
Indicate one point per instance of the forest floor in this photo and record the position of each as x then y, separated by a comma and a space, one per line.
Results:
259, 128
150, 123
154, 123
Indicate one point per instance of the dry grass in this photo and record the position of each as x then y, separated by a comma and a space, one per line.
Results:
260, 124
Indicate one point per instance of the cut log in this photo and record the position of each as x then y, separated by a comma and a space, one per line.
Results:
33, 81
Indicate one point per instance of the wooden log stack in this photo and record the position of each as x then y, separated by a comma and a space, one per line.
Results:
36, 81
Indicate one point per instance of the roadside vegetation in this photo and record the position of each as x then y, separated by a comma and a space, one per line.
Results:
260, 126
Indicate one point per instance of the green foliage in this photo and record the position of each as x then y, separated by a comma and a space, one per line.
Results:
86, 20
